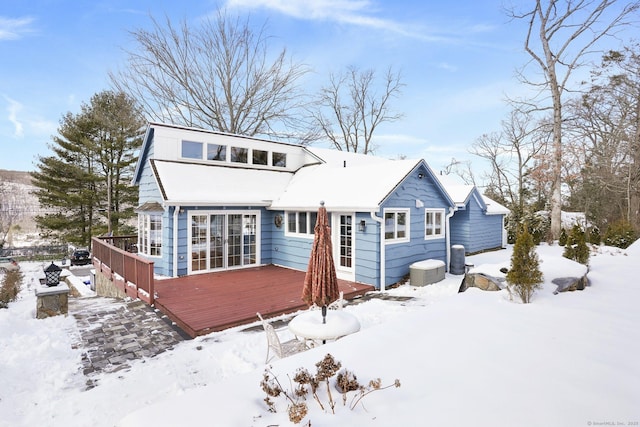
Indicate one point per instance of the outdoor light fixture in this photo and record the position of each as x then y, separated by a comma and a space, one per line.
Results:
420, 176
52, 275
363, 226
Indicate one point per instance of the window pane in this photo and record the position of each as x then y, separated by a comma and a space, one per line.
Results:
155, 235
389, 225
192, 150
216, 152
302, 222
260, 157
438, 223
239, 155
291, 222
402, 225
429, 223
312, 222
279, 159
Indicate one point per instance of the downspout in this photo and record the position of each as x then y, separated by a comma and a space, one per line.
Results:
447, 234
383, 258
176, 212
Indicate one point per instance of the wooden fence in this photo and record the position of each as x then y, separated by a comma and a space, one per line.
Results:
129, 272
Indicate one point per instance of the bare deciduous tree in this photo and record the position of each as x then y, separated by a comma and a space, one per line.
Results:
13, 208
219, 75
511, 154
605, 129
350, 108
561, 36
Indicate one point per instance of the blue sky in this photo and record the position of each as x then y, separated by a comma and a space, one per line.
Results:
457, 60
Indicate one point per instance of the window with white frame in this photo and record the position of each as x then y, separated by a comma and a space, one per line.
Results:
150, 234
301, 223
396, 225
433, 223
191, 150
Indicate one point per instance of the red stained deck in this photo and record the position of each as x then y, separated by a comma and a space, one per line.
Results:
203, 303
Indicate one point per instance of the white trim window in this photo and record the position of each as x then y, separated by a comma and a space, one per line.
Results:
433, 223
396, 225
300, 223
150, 234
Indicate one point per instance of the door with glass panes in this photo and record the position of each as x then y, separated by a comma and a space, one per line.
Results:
223, 240
343, 241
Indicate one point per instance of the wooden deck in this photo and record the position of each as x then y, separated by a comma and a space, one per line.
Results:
203, 303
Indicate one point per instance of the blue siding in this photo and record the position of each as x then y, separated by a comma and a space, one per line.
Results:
476, 230
399, 256
367, 244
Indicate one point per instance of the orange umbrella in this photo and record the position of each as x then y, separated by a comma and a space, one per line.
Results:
320, 282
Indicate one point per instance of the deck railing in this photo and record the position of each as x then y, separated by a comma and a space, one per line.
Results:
130, 273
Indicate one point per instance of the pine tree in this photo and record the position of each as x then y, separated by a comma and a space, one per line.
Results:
84, 183
524, 276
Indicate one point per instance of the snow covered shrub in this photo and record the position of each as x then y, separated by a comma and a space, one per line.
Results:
620, 234
11, 283
319, 386
537, 223
524, 276
576, 247
593, 235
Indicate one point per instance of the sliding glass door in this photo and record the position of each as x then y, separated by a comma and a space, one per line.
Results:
223, 240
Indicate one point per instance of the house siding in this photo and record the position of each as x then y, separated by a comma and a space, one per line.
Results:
367, 259
399, 256
476, 230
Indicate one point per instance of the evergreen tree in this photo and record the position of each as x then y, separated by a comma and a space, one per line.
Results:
524, 276
84, 183
576, 248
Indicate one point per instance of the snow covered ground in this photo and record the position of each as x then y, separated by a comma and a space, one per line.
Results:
474, 358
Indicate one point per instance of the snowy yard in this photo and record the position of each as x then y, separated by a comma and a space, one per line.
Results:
474, 358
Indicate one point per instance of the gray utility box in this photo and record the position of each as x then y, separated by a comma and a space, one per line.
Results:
426, 272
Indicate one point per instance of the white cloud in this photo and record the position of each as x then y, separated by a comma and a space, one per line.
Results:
354, 12
13, 109
12, 29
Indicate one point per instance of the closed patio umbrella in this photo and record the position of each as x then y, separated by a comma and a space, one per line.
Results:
320, 282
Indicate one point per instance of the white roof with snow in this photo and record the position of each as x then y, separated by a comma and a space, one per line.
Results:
354, 187
199, 184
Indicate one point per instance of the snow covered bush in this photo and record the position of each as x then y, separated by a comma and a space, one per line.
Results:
576, 247
620, 234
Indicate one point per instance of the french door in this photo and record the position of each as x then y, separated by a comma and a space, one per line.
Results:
343, 244
223, 240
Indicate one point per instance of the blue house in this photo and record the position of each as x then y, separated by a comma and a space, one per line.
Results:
211, 201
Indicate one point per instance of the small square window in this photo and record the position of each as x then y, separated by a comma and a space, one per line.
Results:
279, 159
216, 152
260, 157
239, 154
191, 150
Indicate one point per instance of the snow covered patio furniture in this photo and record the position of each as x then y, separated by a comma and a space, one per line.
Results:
310, 326
426, 272
281, 349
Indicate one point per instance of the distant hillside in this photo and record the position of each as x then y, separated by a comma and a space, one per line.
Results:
19, 177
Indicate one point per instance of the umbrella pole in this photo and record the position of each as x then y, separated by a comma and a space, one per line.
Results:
324, 314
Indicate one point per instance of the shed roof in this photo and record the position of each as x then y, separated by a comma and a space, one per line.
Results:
201, 185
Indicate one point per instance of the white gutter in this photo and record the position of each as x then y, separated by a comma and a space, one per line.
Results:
383, 258
448, 236
176, 212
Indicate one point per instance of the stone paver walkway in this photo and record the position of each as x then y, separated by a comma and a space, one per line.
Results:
115, 332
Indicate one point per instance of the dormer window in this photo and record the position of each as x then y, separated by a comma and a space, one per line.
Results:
260, 157
191, 150
239, 154
279, 160
217, 152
